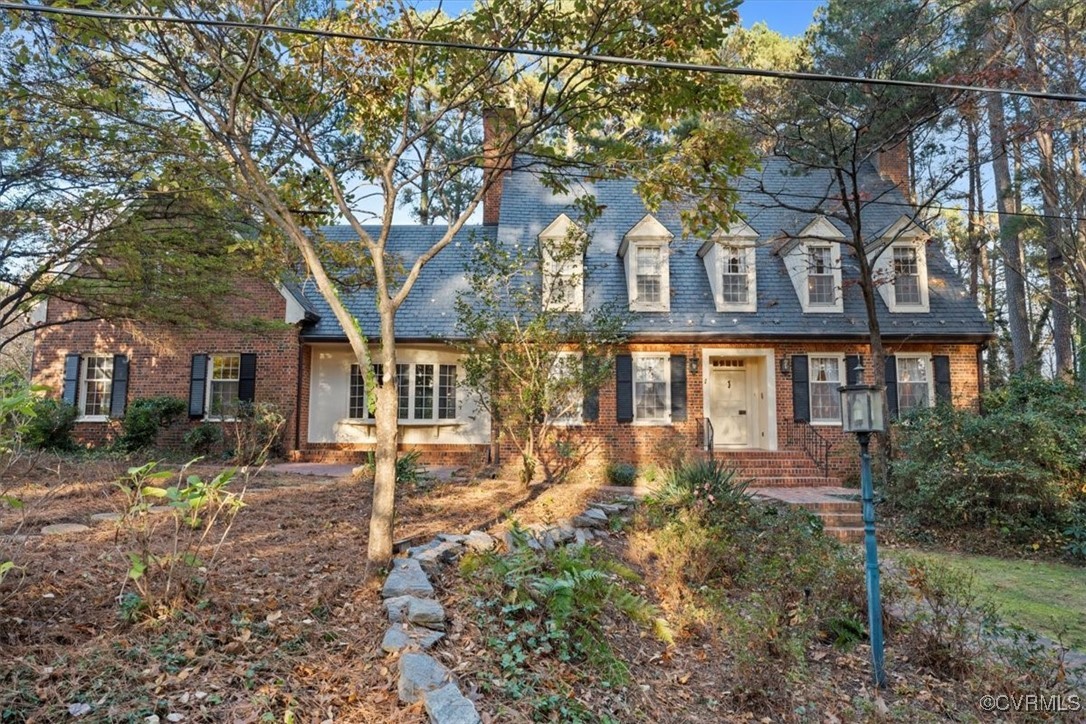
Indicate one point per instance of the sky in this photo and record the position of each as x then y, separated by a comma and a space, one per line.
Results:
787, 17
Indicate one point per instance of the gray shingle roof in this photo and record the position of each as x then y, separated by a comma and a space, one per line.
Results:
428, 311
528, 208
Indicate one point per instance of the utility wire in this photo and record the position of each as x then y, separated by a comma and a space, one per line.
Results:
542, 53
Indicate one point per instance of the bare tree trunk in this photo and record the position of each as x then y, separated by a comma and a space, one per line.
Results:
384, 480
1009, 243
1046, 171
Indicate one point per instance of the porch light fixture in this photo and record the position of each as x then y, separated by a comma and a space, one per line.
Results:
786, 366
693, 365
861, 413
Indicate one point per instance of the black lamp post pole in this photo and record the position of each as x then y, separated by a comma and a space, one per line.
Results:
871, 555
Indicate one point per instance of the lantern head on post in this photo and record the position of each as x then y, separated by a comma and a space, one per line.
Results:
861, 406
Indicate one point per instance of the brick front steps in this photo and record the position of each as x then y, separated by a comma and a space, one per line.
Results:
776, 469
841, 517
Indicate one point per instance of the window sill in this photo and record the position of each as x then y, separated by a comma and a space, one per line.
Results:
220, 419
825, 423
355, 422
661, 422
571, 423
93, 418
649, 308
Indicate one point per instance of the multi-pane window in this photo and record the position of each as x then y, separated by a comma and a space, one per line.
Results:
735, 287
403, 391
446, 392
97, 386
568, 407
356, 395
906, 276
650, 388
223, 385
649, 270
825, 379
912, 383
820, 276
424, 392
415, 392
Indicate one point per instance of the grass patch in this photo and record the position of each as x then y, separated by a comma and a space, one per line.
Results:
1047, 598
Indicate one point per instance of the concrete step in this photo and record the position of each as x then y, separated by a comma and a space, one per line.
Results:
779, 472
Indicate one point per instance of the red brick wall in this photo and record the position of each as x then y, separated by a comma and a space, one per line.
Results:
160, 358
610, 441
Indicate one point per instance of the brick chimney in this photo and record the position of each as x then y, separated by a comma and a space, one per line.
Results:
498, 127
893, 166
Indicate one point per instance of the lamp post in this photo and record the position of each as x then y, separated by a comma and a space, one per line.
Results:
861, 413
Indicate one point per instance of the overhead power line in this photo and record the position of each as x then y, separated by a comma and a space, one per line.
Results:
542, 53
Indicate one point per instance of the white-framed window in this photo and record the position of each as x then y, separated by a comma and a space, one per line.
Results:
906, 276
914, 382
97, 386
222, 385
562, 266
652, 388
824, 375
729, 258
644, 251
821, 279
424, 392
569, 408
735, 276
649, 274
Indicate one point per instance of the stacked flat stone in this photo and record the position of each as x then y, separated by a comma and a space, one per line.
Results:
417, 622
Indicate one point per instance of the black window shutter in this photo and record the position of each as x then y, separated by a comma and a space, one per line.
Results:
198, 385
118, 395
852, 361
678, 388
801, 392
247, 378
941, 363
73, 363
590, 411
624, 388
891, 385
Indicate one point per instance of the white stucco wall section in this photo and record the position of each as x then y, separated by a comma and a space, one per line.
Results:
329, 394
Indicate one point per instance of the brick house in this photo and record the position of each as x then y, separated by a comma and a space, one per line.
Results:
737, 343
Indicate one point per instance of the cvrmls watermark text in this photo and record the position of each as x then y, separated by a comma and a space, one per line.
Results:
1053, 703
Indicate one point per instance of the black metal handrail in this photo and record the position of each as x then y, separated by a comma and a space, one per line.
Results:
705, 432
816, 446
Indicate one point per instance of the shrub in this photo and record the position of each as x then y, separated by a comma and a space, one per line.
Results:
202, 514
256, 432
204, 438
621, 474
1017, 469
51, 426
711, 484
555, 604
144, 418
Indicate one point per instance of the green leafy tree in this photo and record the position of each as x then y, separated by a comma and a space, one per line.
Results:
286, 122
533, 358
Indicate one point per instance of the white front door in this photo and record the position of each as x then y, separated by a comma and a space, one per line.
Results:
729, 403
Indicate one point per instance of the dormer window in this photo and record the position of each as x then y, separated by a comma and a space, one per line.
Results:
650, 274
906, 276
899, 262
644, 251
729, 263
813, 260
735, 284
820, 276
561, 249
